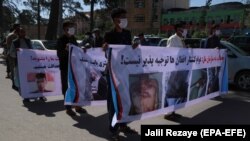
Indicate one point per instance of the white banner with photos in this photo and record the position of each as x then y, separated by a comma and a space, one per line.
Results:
39, 73
85, 77
151, 81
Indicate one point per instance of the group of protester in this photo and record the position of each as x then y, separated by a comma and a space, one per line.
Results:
14, 41
118, 35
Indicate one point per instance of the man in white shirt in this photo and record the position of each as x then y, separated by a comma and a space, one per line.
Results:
176, 39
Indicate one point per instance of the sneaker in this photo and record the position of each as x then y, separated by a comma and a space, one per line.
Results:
43, 99
25, 100
7, 76
15, 87
80, 110
70, 112
173, 116
115, 137
127, 130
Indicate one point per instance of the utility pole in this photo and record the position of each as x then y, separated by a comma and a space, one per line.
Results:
92, 15
38, 19
60, 19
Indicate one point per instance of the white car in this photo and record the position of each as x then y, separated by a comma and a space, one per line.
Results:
238, 63
238, 66
43, 44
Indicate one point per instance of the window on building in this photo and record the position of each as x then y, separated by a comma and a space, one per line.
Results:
155, 18
139, 3
165, 21
172, 21
228, 19
139, 18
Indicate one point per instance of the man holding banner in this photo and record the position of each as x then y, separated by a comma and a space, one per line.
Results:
120, 36
176, 41
62, 53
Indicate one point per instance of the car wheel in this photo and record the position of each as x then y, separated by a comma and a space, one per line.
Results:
243, 80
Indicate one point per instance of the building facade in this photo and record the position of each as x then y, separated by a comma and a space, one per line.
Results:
231, 16
143, 16
169, 4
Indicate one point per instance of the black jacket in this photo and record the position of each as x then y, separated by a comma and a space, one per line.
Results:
62, 53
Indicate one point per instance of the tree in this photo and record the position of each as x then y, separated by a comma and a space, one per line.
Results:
204, 12
51, 33
52, 7
108, 4
8, 11
27, 17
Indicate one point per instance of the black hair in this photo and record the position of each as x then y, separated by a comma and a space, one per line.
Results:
117, 12
67, 24
40, 75
140, 34
15, 25
214, 27
179, 24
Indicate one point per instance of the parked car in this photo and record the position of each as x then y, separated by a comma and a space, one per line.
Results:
238, 65
44, 44
153, 41
163, 42
189, 42
242, 42
238, 61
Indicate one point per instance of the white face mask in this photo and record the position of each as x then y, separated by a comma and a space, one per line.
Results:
123, 23
184, 33
217, 32
71, 31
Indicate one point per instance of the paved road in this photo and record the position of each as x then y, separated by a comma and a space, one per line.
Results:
48, 122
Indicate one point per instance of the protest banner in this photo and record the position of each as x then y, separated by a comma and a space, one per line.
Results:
84, 76
39, 73
151, 81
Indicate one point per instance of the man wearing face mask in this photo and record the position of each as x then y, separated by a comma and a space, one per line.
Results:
176, 39
62, 53
120, 36
213, 41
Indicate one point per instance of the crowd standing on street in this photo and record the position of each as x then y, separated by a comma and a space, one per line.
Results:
119, 35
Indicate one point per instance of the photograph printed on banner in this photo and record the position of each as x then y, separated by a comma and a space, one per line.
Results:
176, 87
145, 92
198, 84
213, 77
42, 82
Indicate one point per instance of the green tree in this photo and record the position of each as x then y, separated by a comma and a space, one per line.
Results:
204, 12
52, 7
27, 17
8, 11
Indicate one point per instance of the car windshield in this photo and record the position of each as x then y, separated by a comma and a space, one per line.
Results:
50, 44
237, 49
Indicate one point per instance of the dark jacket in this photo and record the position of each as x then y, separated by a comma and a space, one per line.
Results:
118, 38
16, 43
213, 42
62, 53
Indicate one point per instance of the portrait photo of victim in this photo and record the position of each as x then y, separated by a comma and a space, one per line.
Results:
198, 84
176, 88
213, 79
41, 82
145, 93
